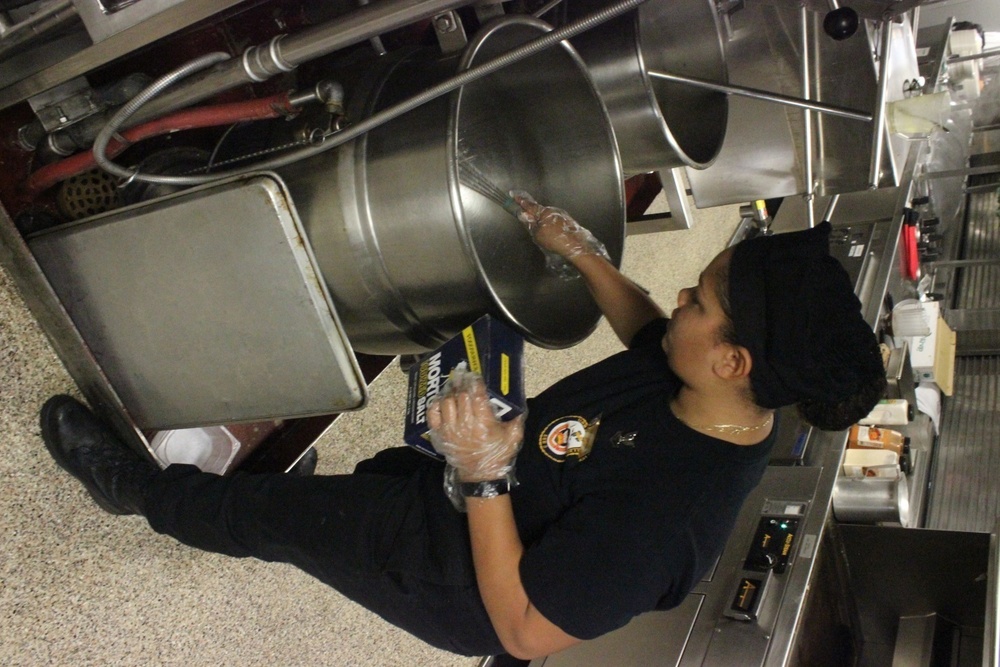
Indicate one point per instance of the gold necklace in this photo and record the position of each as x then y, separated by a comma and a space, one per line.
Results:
729, 429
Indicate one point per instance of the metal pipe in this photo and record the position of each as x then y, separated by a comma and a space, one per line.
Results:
338, 138
375, 41
105, 135
807, 115
45, 12
369, 21
878, 124
821, 129
546, 8
974, 56
830, 206
289, 51
960, 263
30, 29
763, 95
951, 173
991, 625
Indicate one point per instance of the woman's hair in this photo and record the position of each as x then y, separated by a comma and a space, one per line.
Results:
840, 415
828, 416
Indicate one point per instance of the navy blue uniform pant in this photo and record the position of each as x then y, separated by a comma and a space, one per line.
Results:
354, 532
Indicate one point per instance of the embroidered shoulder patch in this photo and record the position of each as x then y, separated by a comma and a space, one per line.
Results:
567, 436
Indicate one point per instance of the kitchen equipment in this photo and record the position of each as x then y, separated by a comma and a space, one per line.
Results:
211, 449
889, 412
909, 319
872, 500
909, 253
870, 463
409, 254
920, 115
899, 374
205, 307
933, 356
659, 124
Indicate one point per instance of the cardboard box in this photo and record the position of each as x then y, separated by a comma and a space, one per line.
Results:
491, 349
933, 356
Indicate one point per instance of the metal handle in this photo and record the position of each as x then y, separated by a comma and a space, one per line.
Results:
974, 56
830, 207
878, 124
763, 95
991, 629
807, 119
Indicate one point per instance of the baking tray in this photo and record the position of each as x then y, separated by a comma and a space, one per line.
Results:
205, 307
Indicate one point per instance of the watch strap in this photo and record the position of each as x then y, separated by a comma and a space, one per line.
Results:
488, 489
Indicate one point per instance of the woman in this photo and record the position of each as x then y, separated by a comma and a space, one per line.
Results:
612, 497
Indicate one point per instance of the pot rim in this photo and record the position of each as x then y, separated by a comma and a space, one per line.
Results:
616, 248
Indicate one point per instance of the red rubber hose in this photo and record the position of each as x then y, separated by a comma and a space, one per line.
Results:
211, 116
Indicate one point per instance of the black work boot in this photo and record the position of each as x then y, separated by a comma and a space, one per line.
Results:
86, 448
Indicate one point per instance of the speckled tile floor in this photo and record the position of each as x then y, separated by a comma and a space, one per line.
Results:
79, 587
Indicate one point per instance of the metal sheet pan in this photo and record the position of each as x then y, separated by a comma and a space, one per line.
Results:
205, 307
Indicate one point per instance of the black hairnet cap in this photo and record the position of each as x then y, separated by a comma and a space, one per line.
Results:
795, 310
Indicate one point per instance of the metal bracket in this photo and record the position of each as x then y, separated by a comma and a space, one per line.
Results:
726, 9
450, 32
488, 10
675, 190
680, 215
65, 104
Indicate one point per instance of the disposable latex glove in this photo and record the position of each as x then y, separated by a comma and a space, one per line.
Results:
465, 430
559, 236
476, 445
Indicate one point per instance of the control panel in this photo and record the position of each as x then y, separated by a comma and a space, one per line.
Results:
768, 557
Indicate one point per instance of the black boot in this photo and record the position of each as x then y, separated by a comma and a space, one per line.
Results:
87, 449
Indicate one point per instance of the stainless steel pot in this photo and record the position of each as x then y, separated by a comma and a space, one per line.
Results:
659, 124
410, 256
872, 500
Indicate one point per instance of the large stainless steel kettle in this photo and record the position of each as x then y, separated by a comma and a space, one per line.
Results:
410, 255
659, 124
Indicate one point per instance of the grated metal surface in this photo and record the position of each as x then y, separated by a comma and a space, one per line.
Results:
979, 286
964, 492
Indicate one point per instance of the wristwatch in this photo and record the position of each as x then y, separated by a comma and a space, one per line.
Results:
488, 489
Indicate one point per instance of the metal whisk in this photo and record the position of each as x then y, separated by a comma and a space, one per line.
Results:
470, 176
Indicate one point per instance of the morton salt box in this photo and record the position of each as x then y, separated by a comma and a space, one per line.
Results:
490, 349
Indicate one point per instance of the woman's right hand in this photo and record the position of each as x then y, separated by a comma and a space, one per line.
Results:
555, 230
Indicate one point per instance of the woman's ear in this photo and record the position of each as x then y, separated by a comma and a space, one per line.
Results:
733, 363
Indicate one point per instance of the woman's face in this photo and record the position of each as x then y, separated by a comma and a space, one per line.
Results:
693, 333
